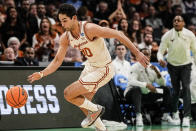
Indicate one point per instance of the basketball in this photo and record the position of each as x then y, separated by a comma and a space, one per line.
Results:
16, 97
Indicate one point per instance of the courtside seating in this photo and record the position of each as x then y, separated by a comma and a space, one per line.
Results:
120, 82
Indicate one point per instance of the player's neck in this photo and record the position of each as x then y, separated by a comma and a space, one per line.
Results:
76, 30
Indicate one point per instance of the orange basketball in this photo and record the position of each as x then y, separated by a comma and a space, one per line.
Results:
16, 97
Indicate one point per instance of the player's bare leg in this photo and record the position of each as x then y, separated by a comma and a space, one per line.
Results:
88, 96
74, 93
98, 123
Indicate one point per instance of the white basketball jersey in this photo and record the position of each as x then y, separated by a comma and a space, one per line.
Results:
95, 51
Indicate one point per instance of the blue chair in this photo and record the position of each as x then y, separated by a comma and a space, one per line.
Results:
168, 80
159, 66
77, 64
121, 83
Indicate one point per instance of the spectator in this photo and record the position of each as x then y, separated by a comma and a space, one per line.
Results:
7, 4
176, 2
45, 42
76, 3
51, 10
192, 28
189, 6
136, 16
33, 10
164, 30
130, 12
73, 55
135, 32
103, 11
178, 11
166, 13
29, 20
154, 51
116, 16
13, 26
41, 13
28, 59
83, 14
58, 28
148, 39
2, 18
110, 42
144, 10
151, 45
148, 29
123, 26
141, 90
14, 43
179, 41
8, 55
121, 66
152, 19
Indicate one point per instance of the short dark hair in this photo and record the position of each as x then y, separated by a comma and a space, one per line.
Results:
68, 10
119, 44
144, 49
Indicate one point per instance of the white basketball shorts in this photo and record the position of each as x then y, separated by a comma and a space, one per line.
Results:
92, 78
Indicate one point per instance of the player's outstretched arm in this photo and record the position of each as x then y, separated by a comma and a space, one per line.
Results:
56, 62
94, 30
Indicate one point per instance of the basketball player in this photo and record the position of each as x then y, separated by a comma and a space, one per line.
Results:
88, 38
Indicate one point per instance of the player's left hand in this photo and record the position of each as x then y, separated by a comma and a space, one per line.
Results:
143, 59
35, 76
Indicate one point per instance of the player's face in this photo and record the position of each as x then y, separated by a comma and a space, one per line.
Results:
66, 22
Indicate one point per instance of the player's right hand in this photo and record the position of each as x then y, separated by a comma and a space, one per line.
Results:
35, 76
151, 88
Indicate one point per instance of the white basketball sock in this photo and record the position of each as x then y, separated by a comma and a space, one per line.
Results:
99, 124
89, 105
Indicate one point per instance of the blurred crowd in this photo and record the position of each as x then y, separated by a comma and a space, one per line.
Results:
30, 30
30, 33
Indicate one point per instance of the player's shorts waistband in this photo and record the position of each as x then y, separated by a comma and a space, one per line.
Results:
93, 65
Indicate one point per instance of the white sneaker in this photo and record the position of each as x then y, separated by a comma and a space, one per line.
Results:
167, 120
92, 116
186, 121
139, 120
176, 117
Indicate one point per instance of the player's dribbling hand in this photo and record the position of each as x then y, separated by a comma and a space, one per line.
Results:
35, 76
143, 59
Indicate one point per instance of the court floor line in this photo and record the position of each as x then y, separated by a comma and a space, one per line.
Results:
130, 128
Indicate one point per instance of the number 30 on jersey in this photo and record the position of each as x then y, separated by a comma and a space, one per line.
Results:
87, 52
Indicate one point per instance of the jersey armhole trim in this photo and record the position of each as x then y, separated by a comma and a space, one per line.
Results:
86, 33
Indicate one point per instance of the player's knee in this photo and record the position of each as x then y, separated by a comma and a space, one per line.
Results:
66, 95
